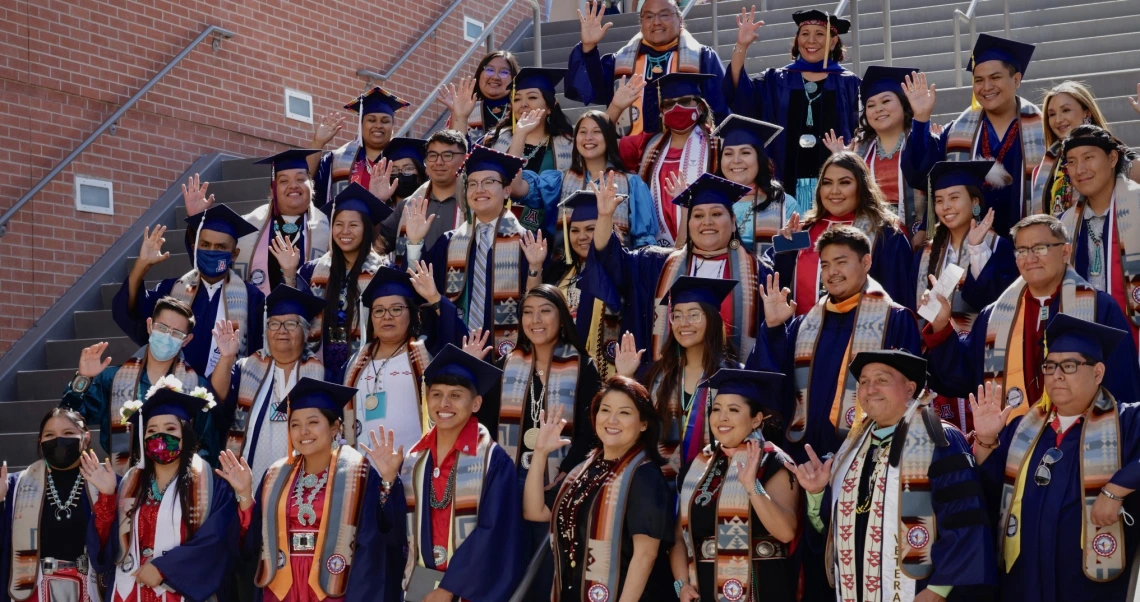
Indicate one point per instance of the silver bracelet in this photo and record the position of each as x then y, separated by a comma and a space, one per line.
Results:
1108, 494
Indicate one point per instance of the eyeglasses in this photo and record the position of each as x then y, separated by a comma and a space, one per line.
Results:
288, 325
164, 329
502, 73
661, 17
693, 316
1038, 250
688, 102
1067, 366
395, 311
1044, 473
488, 184
407, 171
447, 156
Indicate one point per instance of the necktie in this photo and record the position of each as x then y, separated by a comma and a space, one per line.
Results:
478, 299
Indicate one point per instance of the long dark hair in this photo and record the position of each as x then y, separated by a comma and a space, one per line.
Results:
941, 236
337, 276
512, 64
871, 202
765, 179
609, 135
556, 123
566, 331
649, 438
864, 131
718, 348
415, 324
185, 479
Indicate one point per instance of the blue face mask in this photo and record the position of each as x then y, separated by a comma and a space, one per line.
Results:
163, 346
212, 264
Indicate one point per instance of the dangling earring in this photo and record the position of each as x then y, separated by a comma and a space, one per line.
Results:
977, 210
1087, 121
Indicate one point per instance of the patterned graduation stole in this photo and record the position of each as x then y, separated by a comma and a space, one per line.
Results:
561, 388
253, 371
965, 132
235, 300
340, 516
563, 147
601, 575
686, 58
673, 445
868, 334
700, 155
471, 472
201, 496
505, 264
962, 315
766, 223
573, 182
1050, 177
340, 174
1003, 362
124, 388
1126, 218
916, 521
1103, 547
318, 285
253, 249
418, 360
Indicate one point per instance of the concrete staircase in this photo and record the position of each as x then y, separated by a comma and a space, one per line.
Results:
1088, 40
243, 186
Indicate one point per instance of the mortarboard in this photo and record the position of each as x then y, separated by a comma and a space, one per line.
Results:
166, 401
453, 361
220, 218
993, 48
545, 79
676, 85
711, 189
912, 367
406, 148
482, 158
839, 26
286, 300
1066, 334
297, 158
945, 174
355, 197
736, 130
377, 100
878, 79
690, 289
317, 394
388, 282
759, 388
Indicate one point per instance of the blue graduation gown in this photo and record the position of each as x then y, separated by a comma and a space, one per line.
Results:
776, 350
595, 287
959, 360
197, 352
1050, 565
766, 97
546, 193
923, 150
324, 172
489, 563
198, 567
591, 81
999, 272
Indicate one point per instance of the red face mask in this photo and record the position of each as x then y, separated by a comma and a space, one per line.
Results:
679, 118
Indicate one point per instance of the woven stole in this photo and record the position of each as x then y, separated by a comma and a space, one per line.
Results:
255, 267
677, 433
868, 334
1103, 547
766, 223
697, 157
561, 389
340, 516
962, 316
842, 538
505, 264
916, 522
1126, 218
235, 302
962, 145
742, 266
318, 286
1054, 182
601, 575
733, 572
573, 182
1002, 362
563, 147
471, 472
27, 499
201, 496
343, 160
418, 360
685, 58
124, 388
253, 372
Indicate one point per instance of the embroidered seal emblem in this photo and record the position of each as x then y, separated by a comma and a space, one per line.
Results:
438, 555
336, 564
733, 590
257, 277
505, 348
613, 346
1104, 545
1136, 295
918, 537
597, 593
280, 559
1014, 397
129, 562
849, 417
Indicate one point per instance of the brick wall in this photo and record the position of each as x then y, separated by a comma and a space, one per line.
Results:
67, 66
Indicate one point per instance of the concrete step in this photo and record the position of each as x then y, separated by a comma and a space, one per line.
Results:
243, 169
24, 416
21, 449
240, 207
173, 267
237, 191
96, 325
65, 354
44, 384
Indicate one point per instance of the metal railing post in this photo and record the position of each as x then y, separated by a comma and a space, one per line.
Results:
537, 36
957, 50
855, 34
1005, 11
887, 54
715, 26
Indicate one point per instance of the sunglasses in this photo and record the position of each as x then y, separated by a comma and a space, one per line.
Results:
1044, 474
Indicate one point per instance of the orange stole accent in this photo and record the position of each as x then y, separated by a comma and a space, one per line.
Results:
837, 403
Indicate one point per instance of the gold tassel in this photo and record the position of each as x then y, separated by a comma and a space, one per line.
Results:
566, 239
827, 38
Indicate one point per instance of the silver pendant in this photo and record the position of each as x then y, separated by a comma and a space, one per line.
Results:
807, 141
810, 87
306, 515
435, 473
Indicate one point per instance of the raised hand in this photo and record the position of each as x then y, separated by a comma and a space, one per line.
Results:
384, 455
550, 432
459, 97
529, 121
778, 306
978, 229
605, 189
1135, 102
418, 221
328, 128
791, 227
227, 338
628, 356
834, 143
920, 95
593, 30
628, 91
989, 416
423, 281
99, 475
380, 181
812, 475
150, 252
675, 184
89, 363
194, 195
476, 345
942, 320
234, 469
288, 257
747, 27
534, 248
747, 474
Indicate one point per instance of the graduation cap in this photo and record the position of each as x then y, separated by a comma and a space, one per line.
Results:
912, 367
690, 289
166, 401
406, 148
482, 158
676, 85
879, 79
945, 174
377, 100
839, 26
761, 389
1066, 334
453, 361
286, 300
993, 48
296, 158
711, 189
355, 197
583, 207
220, 218
541, 78
388, 282
736, 130
317, 394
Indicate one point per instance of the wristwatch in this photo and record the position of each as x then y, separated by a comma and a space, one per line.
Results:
80, 383
532, 273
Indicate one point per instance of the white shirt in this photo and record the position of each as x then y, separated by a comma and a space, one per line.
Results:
414, 251
979, 256
273, 431
220, 314
398, 409
707, 268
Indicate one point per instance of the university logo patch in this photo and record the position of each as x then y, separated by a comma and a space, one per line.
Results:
733, 590
918, 537
336, 564
1104, 545
597, 593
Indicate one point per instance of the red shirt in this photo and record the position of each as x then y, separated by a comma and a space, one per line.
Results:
1033, 350
467, 443
807, 264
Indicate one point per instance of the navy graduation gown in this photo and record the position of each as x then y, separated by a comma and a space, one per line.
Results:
959, 361
591, 81
197, 351
324, 172
999, 272
1050, 565
775, 351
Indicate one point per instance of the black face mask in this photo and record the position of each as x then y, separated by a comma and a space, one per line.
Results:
61, 452
407, 185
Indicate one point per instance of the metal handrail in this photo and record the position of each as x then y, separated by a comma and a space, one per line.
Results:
213, 30
536, 9
430, 32
532, 569
715, 25
970, 18
855, 33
